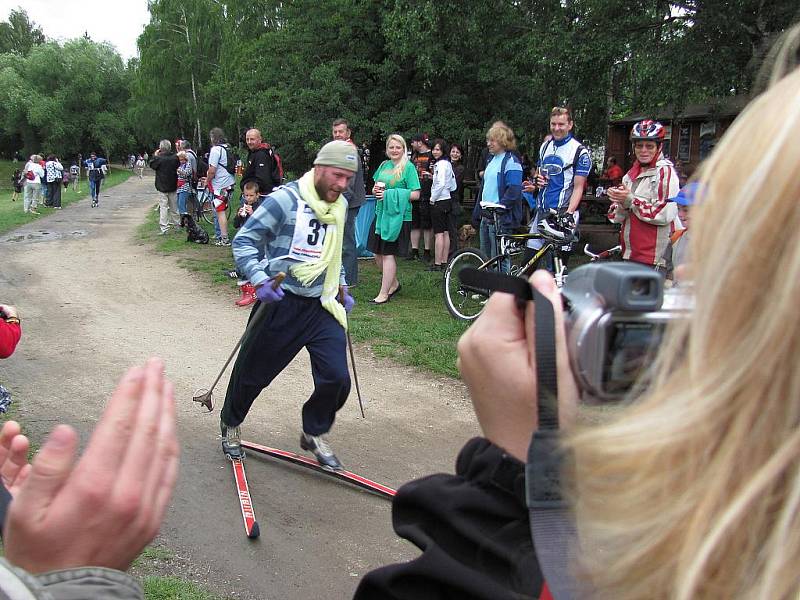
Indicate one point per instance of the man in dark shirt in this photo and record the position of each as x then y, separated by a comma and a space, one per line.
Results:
165, 164
355, 196
421, 225
261, 166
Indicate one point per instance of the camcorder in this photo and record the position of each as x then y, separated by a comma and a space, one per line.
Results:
615, 317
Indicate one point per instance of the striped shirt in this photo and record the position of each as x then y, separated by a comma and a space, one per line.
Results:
261, 248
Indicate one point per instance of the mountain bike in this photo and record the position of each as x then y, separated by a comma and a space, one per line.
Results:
512, 256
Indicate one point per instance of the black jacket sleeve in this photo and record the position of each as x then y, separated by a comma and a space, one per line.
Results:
473, 531
260, 168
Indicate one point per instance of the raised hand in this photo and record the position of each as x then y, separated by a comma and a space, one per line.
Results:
105, 509
14, 466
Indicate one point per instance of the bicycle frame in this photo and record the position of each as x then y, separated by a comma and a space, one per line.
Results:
465, 301
504, 241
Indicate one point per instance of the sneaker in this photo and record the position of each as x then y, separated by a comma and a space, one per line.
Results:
414, 255
94, 203
223, 242
231, 441
321, 450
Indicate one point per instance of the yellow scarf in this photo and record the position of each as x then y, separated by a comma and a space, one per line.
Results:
330, 213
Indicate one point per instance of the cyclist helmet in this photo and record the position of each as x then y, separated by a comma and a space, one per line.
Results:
648, 131
558, 227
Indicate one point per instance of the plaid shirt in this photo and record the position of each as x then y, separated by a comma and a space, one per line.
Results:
261, 248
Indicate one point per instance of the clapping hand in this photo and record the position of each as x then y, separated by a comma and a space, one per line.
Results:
14, 466
104, 509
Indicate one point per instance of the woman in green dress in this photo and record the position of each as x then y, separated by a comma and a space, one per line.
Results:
396, 185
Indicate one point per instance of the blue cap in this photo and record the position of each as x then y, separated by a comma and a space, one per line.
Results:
688, 194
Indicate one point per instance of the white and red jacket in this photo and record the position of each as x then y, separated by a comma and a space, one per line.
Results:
646, 213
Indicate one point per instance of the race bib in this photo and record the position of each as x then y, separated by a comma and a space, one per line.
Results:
309, 234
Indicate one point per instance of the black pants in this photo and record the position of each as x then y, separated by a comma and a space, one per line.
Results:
452, 227
54, 193
288, 326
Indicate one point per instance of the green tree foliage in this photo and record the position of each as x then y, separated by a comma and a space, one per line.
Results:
448, 67
318, 62
18, 35
180, 53
65, 99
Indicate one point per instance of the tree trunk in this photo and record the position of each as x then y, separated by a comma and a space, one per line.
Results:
197, 128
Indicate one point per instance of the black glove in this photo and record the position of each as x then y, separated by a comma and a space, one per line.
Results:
567, 221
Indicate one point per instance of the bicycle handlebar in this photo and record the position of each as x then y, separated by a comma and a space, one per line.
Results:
601, 255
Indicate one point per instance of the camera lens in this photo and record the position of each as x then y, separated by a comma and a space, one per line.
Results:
640, 287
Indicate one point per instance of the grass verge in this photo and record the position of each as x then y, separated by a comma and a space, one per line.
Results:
166, 587
11, 215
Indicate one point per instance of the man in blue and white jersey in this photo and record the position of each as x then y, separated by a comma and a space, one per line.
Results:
563, 166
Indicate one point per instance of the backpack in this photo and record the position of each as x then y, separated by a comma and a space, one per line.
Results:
30, 175
230, 160
278, 166
202, 166
199, 164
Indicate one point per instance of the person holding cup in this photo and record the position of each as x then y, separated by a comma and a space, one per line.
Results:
396, 186
564, 166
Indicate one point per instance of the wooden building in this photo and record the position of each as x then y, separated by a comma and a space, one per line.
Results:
691, 134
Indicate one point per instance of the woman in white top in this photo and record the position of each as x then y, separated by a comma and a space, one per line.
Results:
33, 184
444, 182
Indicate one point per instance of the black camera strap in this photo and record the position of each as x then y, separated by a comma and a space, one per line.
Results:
552, 526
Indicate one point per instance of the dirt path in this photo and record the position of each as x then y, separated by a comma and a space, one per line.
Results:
95, 300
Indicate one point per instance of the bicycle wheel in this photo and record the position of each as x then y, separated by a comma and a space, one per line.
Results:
207, 209
206, 206
463, 302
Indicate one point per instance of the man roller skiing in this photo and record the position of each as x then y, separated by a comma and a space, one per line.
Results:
298, 229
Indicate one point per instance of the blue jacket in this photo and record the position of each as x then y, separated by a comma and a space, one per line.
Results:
509, 190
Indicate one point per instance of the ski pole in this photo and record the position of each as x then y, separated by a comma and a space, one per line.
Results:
355, 374
205, 398
352, 358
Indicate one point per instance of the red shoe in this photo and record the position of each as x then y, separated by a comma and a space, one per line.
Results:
248, 295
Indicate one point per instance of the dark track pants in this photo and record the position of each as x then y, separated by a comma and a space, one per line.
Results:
288, 326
